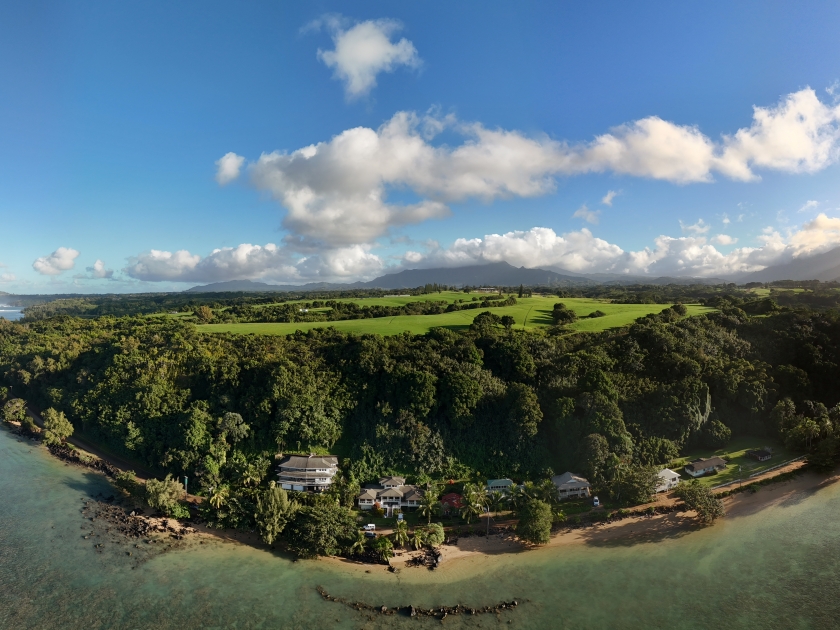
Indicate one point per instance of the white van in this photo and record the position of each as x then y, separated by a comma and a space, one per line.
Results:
370, 527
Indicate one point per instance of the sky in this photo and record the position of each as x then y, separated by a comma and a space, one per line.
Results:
155, 146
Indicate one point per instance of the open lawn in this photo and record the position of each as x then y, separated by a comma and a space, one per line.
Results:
735, 451
529, 313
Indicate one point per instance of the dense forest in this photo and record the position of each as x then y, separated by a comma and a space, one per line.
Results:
486, 402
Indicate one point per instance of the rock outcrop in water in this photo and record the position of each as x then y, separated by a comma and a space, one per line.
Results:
439, 612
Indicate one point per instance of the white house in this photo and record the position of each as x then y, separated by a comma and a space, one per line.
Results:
390, 493
571, 486
700, 467
668, 480
307, 473
499, 485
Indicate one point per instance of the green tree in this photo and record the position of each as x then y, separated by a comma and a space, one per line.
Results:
384, 548
418, 538
495, 501
219, 496
359, 544
57, 427
702, 500
274, 511
164, 494
473, 502
508, 321
14, 410
534, 524
321, 530
434, 535
127, 482
429, 505
401, 533
203, 314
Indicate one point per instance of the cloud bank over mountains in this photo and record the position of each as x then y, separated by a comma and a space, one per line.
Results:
342, 194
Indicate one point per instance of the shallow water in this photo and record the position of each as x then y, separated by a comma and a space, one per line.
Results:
10, 312
777, 568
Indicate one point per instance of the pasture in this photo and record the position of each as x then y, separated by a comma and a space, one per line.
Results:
529, 313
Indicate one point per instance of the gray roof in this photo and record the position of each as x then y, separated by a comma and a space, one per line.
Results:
702, 464
569, 479
300, 474
500, 482
368, 493
399, 481
309, 461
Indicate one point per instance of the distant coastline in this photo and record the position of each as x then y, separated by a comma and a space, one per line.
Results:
11, 313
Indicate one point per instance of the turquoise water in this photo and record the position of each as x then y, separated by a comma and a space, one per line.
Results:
777, 568
10, 312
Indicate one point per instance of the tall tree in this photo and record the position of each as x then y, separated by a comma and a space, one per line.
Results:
57, 427
274, 511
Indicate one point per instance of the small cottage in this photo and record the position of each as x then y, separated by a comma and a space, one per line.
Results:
667, 480
761, 455
700, 467
499, 485
571, 486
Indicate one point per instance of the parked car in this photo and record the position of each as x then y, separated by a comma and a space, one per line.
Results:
399, 516
370, 534
596, 502
370, 527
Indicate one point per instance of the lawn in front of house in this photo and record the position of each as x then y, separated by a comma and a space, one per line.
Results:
738, 465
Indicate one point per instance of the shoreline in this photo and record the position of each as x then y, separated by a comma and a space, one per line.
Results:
630, 530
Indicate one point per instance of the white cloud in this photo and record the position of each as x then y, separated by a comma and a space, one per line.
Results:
724, 239
726, 220
608, 198
99, 271
7, 277
808, 205
336, 193
247, 261
740, 218
61, 260
701, 227
590, 216
228, 167
364, 50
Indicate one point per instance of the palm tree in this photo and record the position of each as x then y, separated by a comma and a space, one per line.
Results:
474, 500
385, 548
359, 544
495, 500
429, 505
401, 533
518, 497
547, 491
418, 538
219, 496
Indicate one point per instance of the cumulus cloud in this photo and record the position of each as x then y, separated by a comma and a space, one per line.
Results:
228, 167
99, 271
61, 260
336, 192
608, 198
364, 50
246, 261
701, 227
808, 205
724, 239
590, 216
7, 277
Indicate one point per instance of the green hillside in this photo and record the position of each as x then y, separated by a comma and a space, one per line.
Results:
529, 313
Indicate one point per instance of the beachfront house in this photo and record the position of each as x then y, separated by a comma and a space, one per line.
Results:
667, 479
571, 486
307, 473
451, 502
391, 493
499, 485
700, 467
761, 454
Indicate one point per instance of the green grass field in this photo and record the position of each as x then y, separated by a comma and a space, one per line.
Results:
735, 451
529, 313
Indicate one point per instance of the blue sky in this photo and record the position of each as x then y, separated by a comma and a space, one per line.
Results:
439, 134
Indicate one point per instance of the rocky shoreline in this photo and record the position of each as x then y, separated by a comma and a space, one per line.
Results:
438, 612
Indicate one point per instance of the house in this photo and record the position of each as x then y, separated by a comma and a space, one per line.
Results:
451, 501
700, 467
667, 480
499, 485
391, 493
761, 455
571, 486
307, 473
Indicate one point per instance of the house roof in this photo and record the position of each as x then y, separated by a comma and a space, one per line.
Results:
499, 482
387, 481
309, 461
667, 473
368, 493
402, 492
701, 464
302, 474
453, 499
570, 479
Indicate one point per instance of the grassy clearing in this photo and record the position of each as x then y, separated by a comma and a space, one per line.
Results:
735, 451
529, 313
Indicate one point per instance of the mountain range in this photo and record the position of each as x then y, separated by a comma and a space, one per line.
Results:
824, 267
